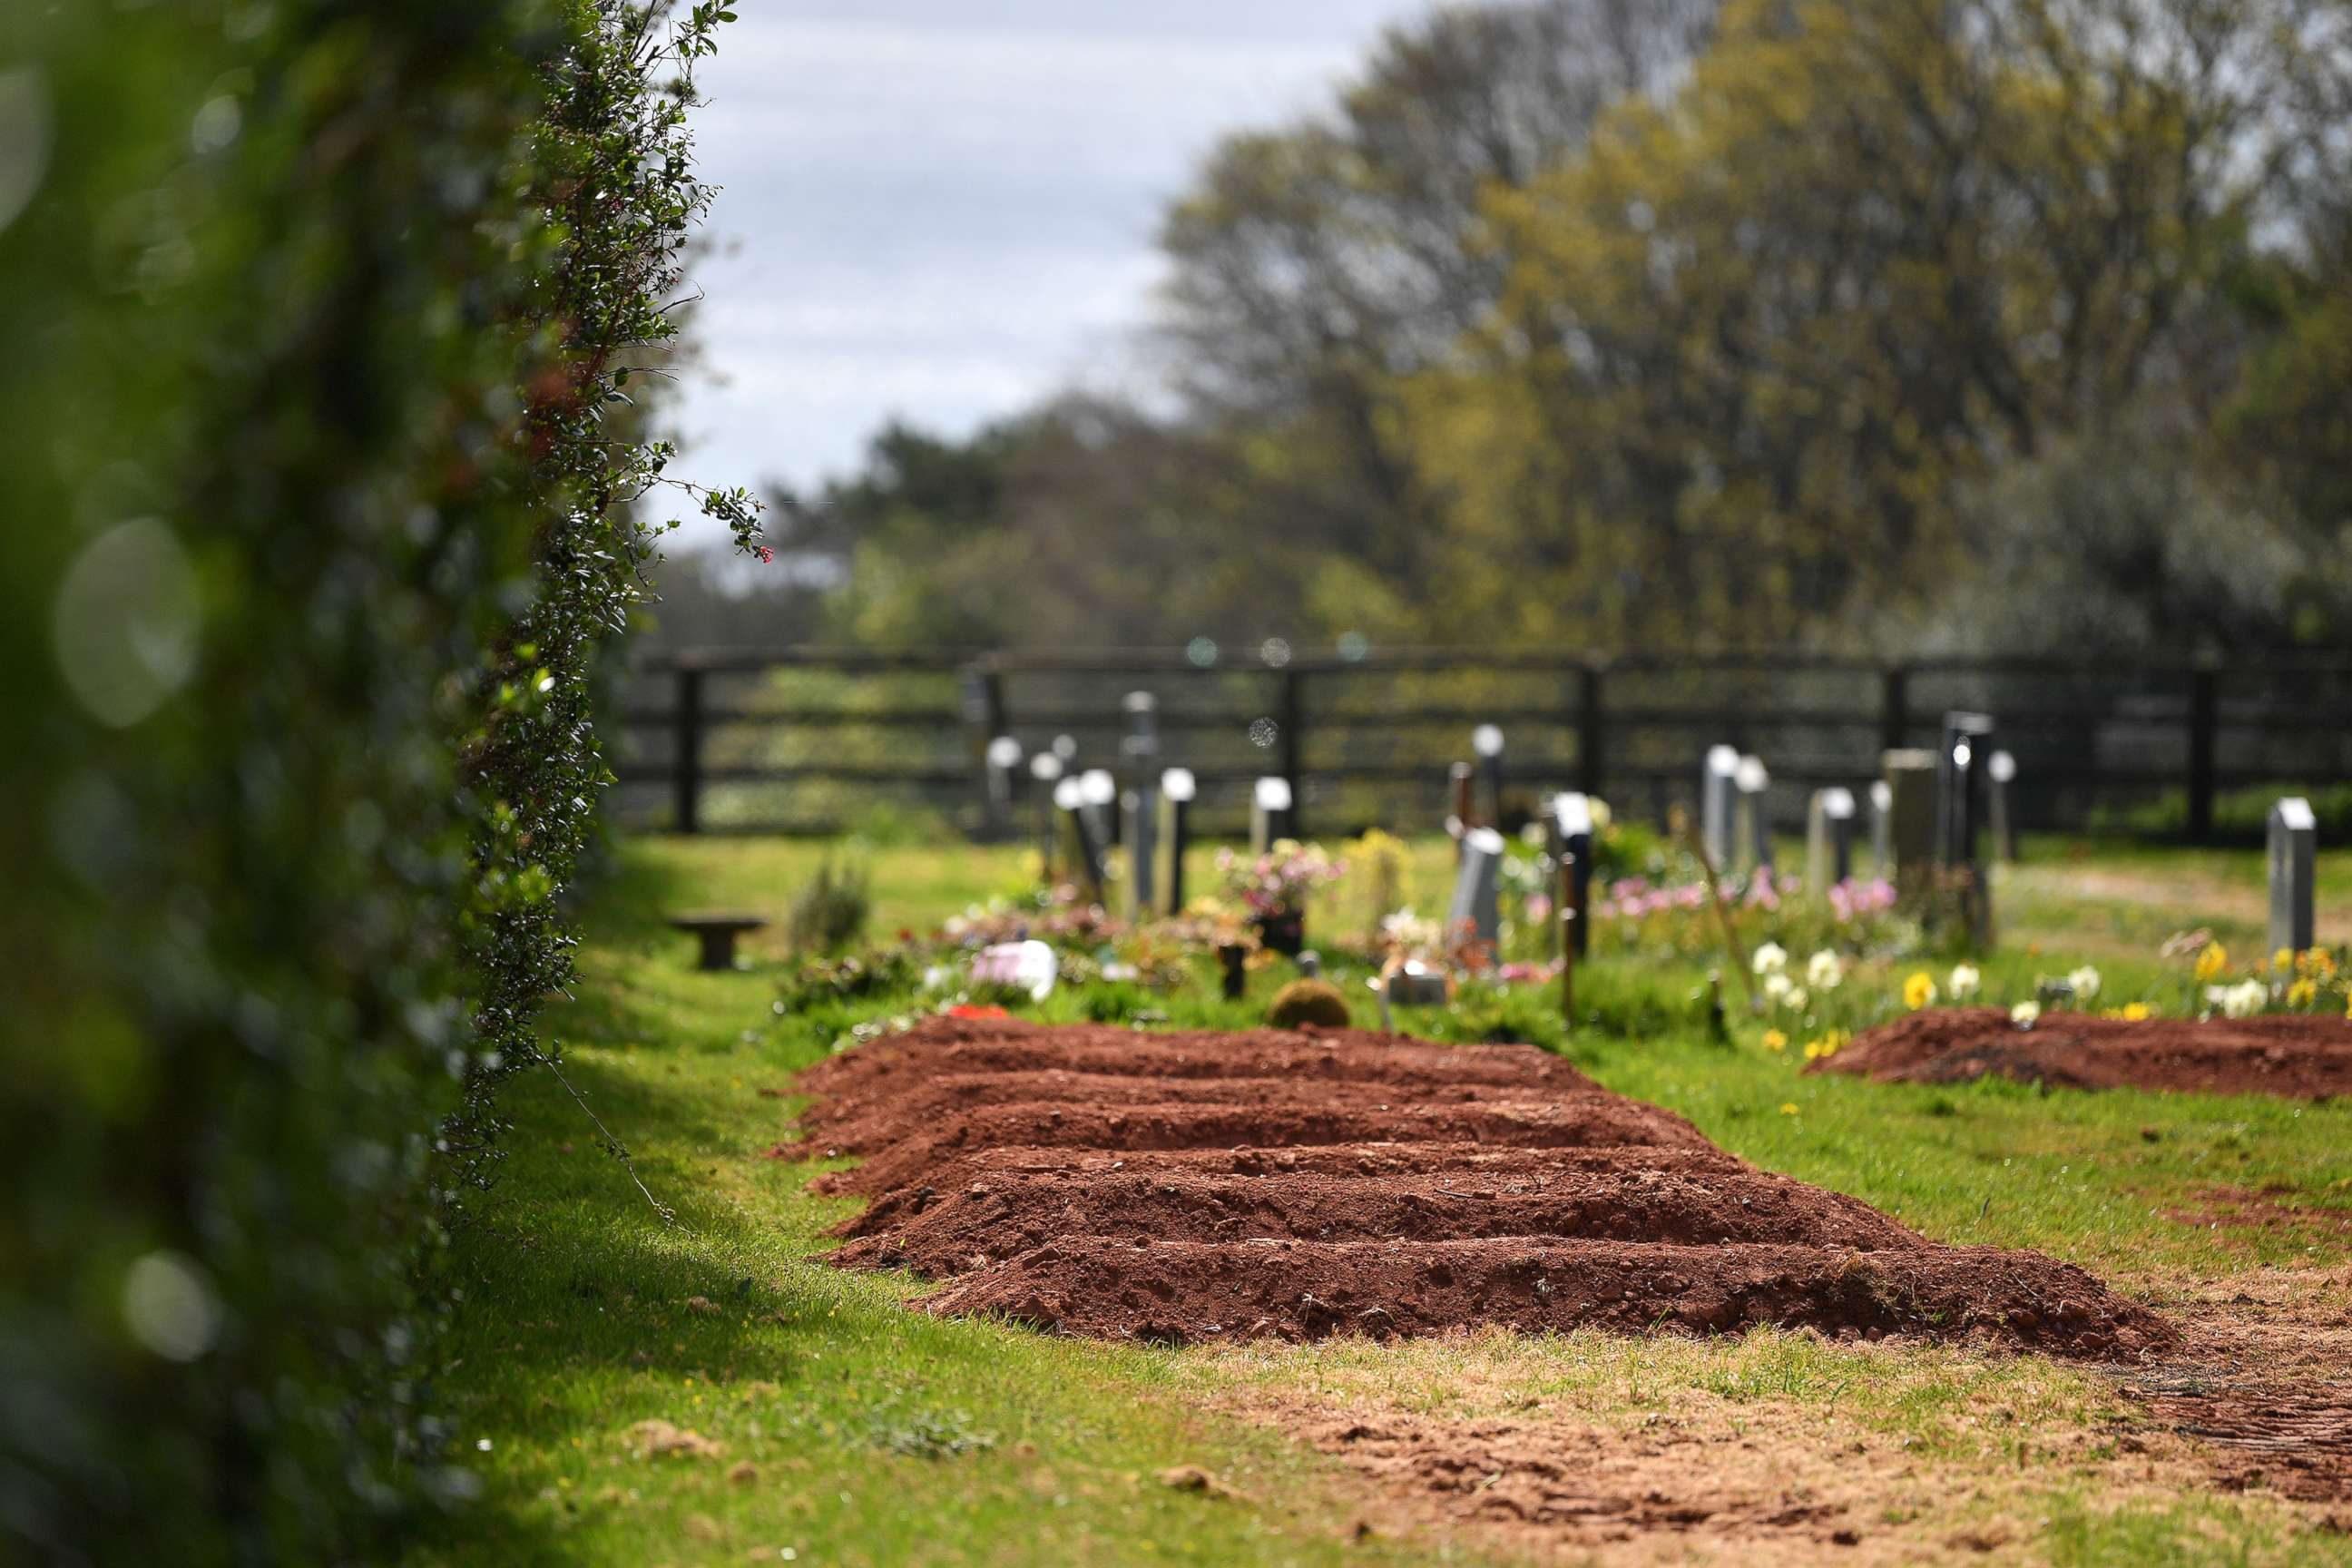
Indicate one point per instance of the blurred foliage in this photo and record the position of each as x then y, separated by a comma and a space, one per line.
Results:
316, 313
830, 910
1881, 325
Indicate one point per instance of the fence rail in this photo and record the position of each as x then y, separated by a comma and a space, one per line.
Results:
810, 739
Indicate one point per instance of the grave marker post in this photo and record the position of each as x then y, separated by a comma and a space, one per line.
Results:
1047, 769
1829, 838
2293, 843
1003, 775
1270, 808
1486, 741
1716, 787
1755, 815
1177, 788
1572, 827
1097, 797
2001, 772
1961, 764
1882, 829
1141, 754
1462, 810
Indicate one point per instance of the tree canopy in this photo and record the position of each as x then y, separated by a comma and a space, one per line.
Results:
1638, 325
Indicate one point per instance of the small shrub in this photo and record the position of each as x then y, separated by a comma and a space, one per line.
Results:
1308, 1002
830, 911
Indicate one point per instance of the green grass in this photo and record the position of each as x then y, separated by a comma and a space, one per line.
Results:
877, 1435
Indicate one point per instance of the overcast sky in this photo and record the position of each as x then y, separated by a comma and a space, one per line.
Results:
943, 208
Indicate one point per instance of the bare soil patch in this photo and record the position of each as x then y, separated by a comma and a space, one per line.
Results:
1186, 1188
2294, 1055
2259, 1380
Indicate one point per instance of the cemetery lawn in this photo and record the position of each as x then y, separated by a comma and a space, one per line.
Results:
851, 1430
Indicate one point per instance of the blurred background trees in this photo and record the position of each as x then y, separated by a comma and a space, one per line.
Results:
1861, 324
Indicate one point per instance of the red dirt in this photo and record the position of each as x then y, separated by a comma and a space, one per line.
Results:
2295, 1056
1096, 1181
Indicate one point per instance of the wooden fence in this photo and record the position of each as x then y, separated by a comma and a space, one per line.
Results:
813, 740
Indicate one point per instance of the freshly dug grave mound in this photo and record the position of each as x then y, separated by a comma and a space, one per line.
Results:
1591, 1118
1314, 1159
1099, 1181
2295, 1056
990, 1220
944, 1046
855, 1123
1178, 1291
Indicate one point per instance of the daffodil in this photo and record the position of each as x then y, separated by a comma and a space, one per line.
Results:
1776, 986
1919, 991
1774, 1040
2083, 983
1789, 1107
1965, 981
1824, 971
2303, 993
2213, 963
1771, 959
1796, 999
2025, 1014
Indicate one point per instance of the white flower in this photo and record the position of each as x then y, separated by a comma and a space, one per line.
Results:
2083, 983
1965, 980
2024, 1013
2244, 1000
1796, 998
1771, 957
1600, 809
1776, 986
1824, 971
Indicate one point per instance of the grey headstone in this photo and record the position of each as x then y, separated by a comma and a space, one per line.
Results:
1476, 900
1910, 814
2293, 843
1716, 787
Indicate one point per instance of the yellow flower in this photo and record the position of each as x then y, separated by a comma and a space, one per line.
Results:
1774, 1040
2213, 962
1789, 1107
2136, 1011
2303, 993
1919, 991
2282, 959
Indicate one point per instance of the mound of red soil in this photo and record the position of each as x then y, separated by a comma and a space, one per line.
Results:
1219, 1187
2291, 1055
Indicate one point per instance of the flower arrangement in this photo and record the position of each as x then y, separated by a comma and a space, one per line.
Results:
1278, 881
2311, 980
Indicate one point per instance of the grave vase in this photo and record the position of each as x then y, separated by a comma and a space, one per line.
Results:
1282, 930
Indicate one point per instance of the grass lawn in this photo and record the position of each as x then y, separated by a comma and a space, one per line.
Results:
851, 1431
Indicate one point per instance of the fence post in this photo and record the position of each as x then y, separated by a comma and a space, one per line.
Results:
687, 763
1289, 721
2204, 719
1589, 752
1894, 714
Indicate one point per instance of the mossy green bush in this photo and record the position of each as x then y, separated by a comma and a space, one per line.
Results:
1306, 1002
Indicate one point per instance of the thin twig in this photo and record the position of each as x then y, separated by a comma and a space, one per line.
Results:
612, 1145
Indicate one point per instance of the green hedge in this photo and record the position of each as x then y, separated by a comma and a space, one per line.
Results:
304, 579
